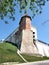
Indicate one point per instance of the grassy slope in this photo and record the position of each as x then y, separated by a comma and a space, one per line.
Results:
8, 53
34, 58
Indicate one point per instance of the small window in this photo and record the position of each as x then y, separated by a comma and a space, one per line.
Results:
34, 40
33, 36
33, 32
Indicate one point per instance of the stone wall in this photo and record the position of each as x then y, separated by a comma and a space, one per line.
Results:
43, 48
25, 24
27, 45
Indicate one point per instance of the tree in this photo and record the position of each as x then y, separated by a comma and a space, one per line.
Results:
7, 7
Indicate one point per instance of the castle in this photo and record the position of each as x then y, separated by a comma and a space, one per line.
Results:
25, 36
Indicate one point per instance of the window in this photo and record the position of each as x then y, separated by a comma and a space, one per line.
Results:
33, 32
33, 36
34, 40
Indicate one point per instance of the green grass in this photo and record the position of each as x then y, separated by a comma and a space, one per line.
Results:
8, 53
30, 58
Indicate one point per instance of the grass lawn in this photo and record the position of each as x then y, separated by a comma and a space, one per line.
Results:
8, 53
30, 58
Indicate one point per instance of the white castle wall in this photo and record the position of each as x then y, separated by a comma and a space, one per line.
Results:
12, 37
43, 48
27, 45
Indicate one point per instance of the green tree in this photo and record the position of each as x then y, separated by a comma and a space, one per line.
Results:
7, 7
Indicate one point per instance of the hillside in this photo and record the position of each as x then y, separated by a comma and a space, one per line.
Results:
8, 53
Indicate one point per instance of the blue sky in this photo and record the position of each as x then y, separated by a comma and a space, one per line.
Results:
42, 30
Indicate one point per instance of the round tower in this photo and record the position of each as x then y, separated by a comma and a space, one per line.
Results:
25, 22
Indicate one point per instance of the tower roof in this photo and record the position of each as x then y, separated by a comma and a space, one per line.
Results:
26, 15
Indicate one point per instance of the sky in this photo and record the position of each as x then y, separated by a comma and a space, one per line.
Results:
42, 30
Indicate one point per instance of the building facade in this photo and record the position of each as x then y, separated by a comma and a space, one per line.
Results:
25, 36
